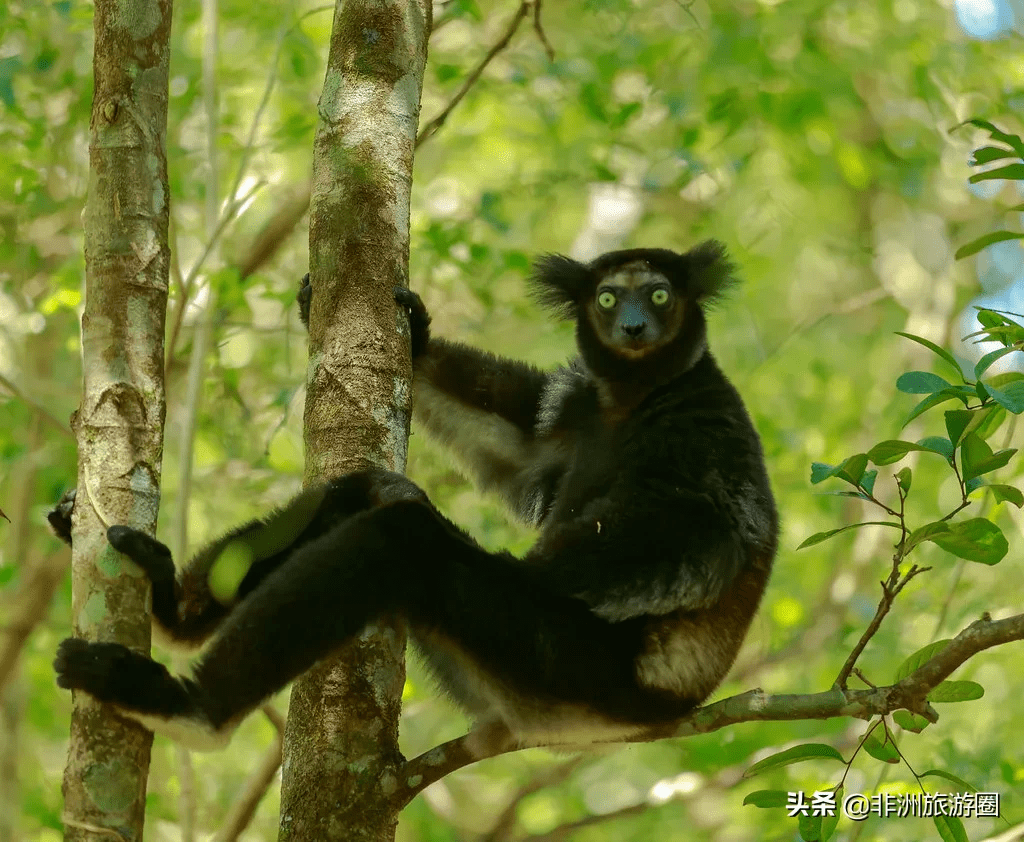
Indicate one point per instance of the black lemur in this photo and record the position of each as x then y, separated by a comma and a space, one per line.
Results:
638, 464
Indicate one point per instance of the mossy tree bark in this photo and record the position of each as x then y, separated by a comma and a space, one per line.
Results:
341, 743
120, 423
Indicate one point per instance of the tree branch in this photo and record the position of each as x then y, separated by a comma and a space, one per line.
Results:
757, 706
431, 128
244, 807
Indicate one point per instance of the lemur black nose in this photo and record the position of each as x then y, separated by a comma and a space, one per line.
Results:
634, 330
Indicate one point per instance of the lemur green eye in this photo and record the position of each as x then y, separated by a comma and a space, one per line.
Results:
659, 297
606, 300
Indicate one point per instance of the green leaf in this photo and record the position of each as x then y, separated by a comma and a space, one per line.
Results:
929, 402
910, 721
983, 242
809, 827
938, 444
977, 458
921, 383
962, 785
950, 828
935, 349
919, 658
228, 571
853, 468
925, 533
999, 458
829, 823
821, 471
881, 749
983, 364
1011, 140
989, 318
1013, 172
860, 495
988, 154
973, 452
850, 470
956, 691
767, 798
977, 539
818, 537
957, 421
867, 481
796, 754
887, 452
991, 418
903, 479
1010, 396
1007, 494
623, 115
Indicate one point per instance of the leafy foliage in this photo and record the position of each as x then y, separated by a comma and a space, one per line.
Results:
773, 127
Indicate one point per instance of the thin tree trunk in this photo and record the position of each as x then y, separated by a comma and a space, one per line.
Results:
341, 741
120, 423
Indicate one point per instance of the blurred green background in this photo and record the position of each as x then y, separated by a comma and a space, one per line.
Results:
812, 137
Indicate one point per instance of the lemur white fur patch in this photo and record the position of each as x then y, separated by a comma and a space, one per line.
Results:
491, 451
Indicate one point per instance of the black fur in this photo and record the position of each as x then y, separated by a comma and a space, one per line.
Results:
638, 463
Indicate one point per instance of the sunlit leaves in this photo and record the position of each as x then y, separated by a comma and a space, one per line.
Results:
796, 754
1014, 172
1011, 397
887, 452
1007, 494
1013, 141
977, 458
976, 539
985, 241
942, 353
881, 747
818, 537
951, 829
921, 383
919, 658
956, 691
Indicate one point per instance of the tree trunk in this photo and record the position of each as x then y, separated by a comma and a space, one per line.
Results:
120, 423
341, 747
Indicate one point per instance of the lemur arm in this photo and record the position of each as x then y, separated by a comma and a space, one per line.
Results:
484, 410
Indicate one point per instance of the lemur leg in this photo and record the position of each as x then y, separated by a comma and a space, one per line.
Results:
190, 607
557, 670
542, 661
323, 592
539, 649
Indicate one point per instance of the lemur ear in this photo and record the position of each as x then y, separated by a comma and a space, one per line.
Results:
710, 271
559, 283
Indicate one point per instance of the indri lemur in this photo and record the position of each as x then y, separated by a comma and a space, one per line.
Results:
636, 461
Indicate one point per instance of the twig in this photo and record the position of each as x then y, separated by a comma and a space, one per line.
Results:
235, 204
431, 128
37, 407
274, 233
505, 823
540, 31
562, 831
891, 588
244, 807
862, 677
29, 604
